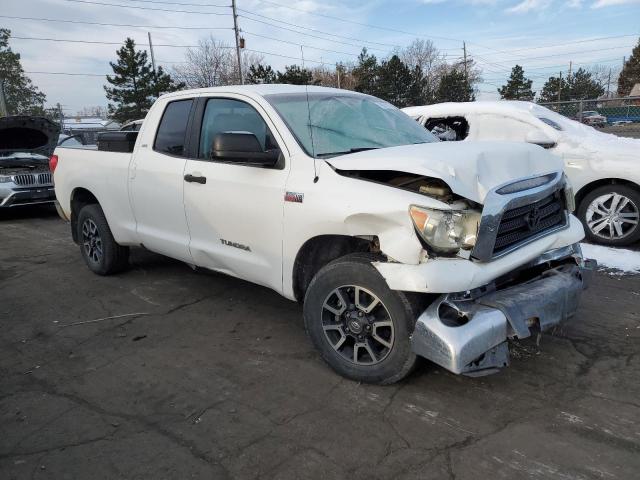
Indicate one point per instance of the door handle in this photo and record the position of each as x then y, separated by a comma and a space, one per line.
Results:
195, 179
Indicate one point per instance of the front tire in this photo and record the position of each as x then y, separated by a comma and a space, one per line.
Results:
360, 327
611, 215
102, 254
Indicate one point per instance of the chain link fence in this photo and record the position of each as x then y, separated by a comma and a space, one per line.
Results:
615, 115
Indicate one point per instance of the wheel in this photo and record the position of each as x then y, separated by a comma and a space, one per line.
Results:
610, 215
100, 251
360, 327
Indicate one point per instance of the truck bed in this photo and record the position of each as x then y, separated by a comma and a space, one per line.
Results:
106, 175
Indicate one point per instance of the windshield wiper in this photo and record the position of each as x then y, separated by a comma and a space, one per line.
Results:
346, 152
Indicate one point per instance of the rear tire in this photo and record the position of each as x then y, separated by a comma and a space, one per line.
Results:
358, 324
608, 213
99, 249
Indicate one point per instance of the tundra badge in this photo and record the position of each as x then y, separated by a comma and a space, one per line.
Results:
236, 245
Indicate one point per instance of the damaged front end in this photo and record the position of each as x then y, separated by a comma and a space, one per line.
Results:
26, 144
467, 333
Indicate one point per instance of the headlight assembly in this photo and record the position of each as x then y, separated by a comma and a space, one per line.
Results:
446, 230
5, 178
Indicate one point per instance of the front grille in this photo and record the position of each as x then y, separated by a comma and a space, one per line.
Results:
24, 179
520, 224
44, 178
31, 179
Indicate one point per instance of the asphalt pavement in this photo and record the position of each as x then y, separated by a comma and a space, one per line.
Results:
199, 375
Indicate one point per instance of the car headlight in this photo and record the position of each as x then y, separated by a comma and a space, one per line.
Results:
446, 230
5, 178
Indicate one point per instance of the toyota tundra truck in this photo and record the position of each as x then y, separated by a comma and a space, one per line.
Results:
399, 246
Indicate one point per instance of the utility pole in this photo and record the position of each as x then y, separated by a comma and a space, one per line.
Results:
3, 100
608, 83
466, 76
235, 28
153, 58
569, 76
338, 68
560, 86
60, 117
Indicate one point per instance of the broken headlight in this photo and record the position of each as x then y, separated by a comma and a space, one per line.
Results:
446, 230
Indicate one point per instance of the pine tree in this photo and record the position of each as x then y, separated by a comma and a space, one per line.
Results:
550, 89
394, 81
418, 93
630, 74
261, 74
134, 84
22, 97
518, 87
454, 87
295, 75
583, 86
366, 73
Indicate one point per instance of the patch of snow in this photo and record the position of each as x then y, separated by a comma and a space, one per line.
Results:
627, 261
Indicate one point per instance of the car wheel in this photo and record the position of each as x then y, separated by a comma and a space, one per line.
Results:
100, 251
611, 214
360, 327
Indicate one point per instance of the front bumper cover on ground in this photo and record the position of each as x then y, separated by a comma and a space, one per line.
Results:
468, 334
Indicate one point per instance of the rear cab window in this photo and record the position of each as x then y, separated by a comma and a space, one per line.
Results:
172, 131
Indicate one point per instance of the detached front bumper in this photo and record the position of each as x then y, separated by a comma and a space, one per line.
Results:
467, 333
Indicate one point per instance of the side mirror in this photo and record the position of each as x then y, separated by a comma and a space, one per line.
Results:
242, 147
538, 137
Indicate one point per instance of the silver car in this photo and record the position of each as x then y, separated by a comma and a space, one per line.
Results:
26, 144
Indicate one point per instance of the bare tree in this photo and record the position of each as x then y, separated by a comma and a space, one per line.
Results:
212, 63
424, 55
208, 65
328, 76
605, 76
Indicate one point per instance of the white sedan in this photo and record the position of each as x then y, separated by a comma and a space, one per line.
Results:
604, 169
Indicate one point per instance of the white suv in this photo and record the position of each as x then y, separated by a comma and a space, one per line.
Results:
603, 169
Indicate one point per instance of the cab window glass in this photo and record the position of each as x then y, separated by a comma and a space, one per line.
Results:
172, 131
223, 115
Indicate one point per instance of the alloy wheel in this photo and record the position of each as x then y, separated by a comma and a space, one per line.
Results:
357, 325
612, 216
91, 241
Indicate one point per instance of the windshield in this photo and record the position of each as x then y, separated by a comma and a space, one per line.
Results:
333, 124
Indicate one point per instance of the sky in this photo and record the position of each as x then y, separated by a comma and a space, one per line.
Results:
543, 36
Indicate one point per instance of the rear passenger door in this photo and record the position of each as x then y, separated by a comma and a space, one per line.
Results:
235, 218
156, 180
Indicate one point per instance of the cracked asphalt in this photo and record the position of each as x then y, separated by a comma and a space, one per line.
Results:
206, 376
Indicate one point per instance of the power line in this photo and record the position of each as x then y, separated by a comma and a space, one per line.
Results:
147, 8
184, 4
298, 44
81, 22
565, 43
311, 35
569, 53
308, 28
68, 73
388, 29
100, 42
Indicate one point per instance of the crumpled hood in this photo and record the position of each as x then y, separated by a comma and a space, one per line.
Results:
28, 135
471, 169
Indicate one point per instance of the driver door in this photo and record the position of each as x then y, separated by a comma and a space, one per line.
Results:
234, 210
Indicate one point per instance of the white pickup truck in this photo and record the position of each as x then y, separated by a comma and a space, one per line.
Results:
399, 245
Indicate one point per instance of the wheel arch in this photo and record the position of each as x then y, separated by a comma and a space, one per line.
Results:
80, 197
320, 250
589, 187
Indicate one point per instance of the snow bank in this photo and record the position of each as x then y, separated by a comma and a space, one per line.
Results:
627, 261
